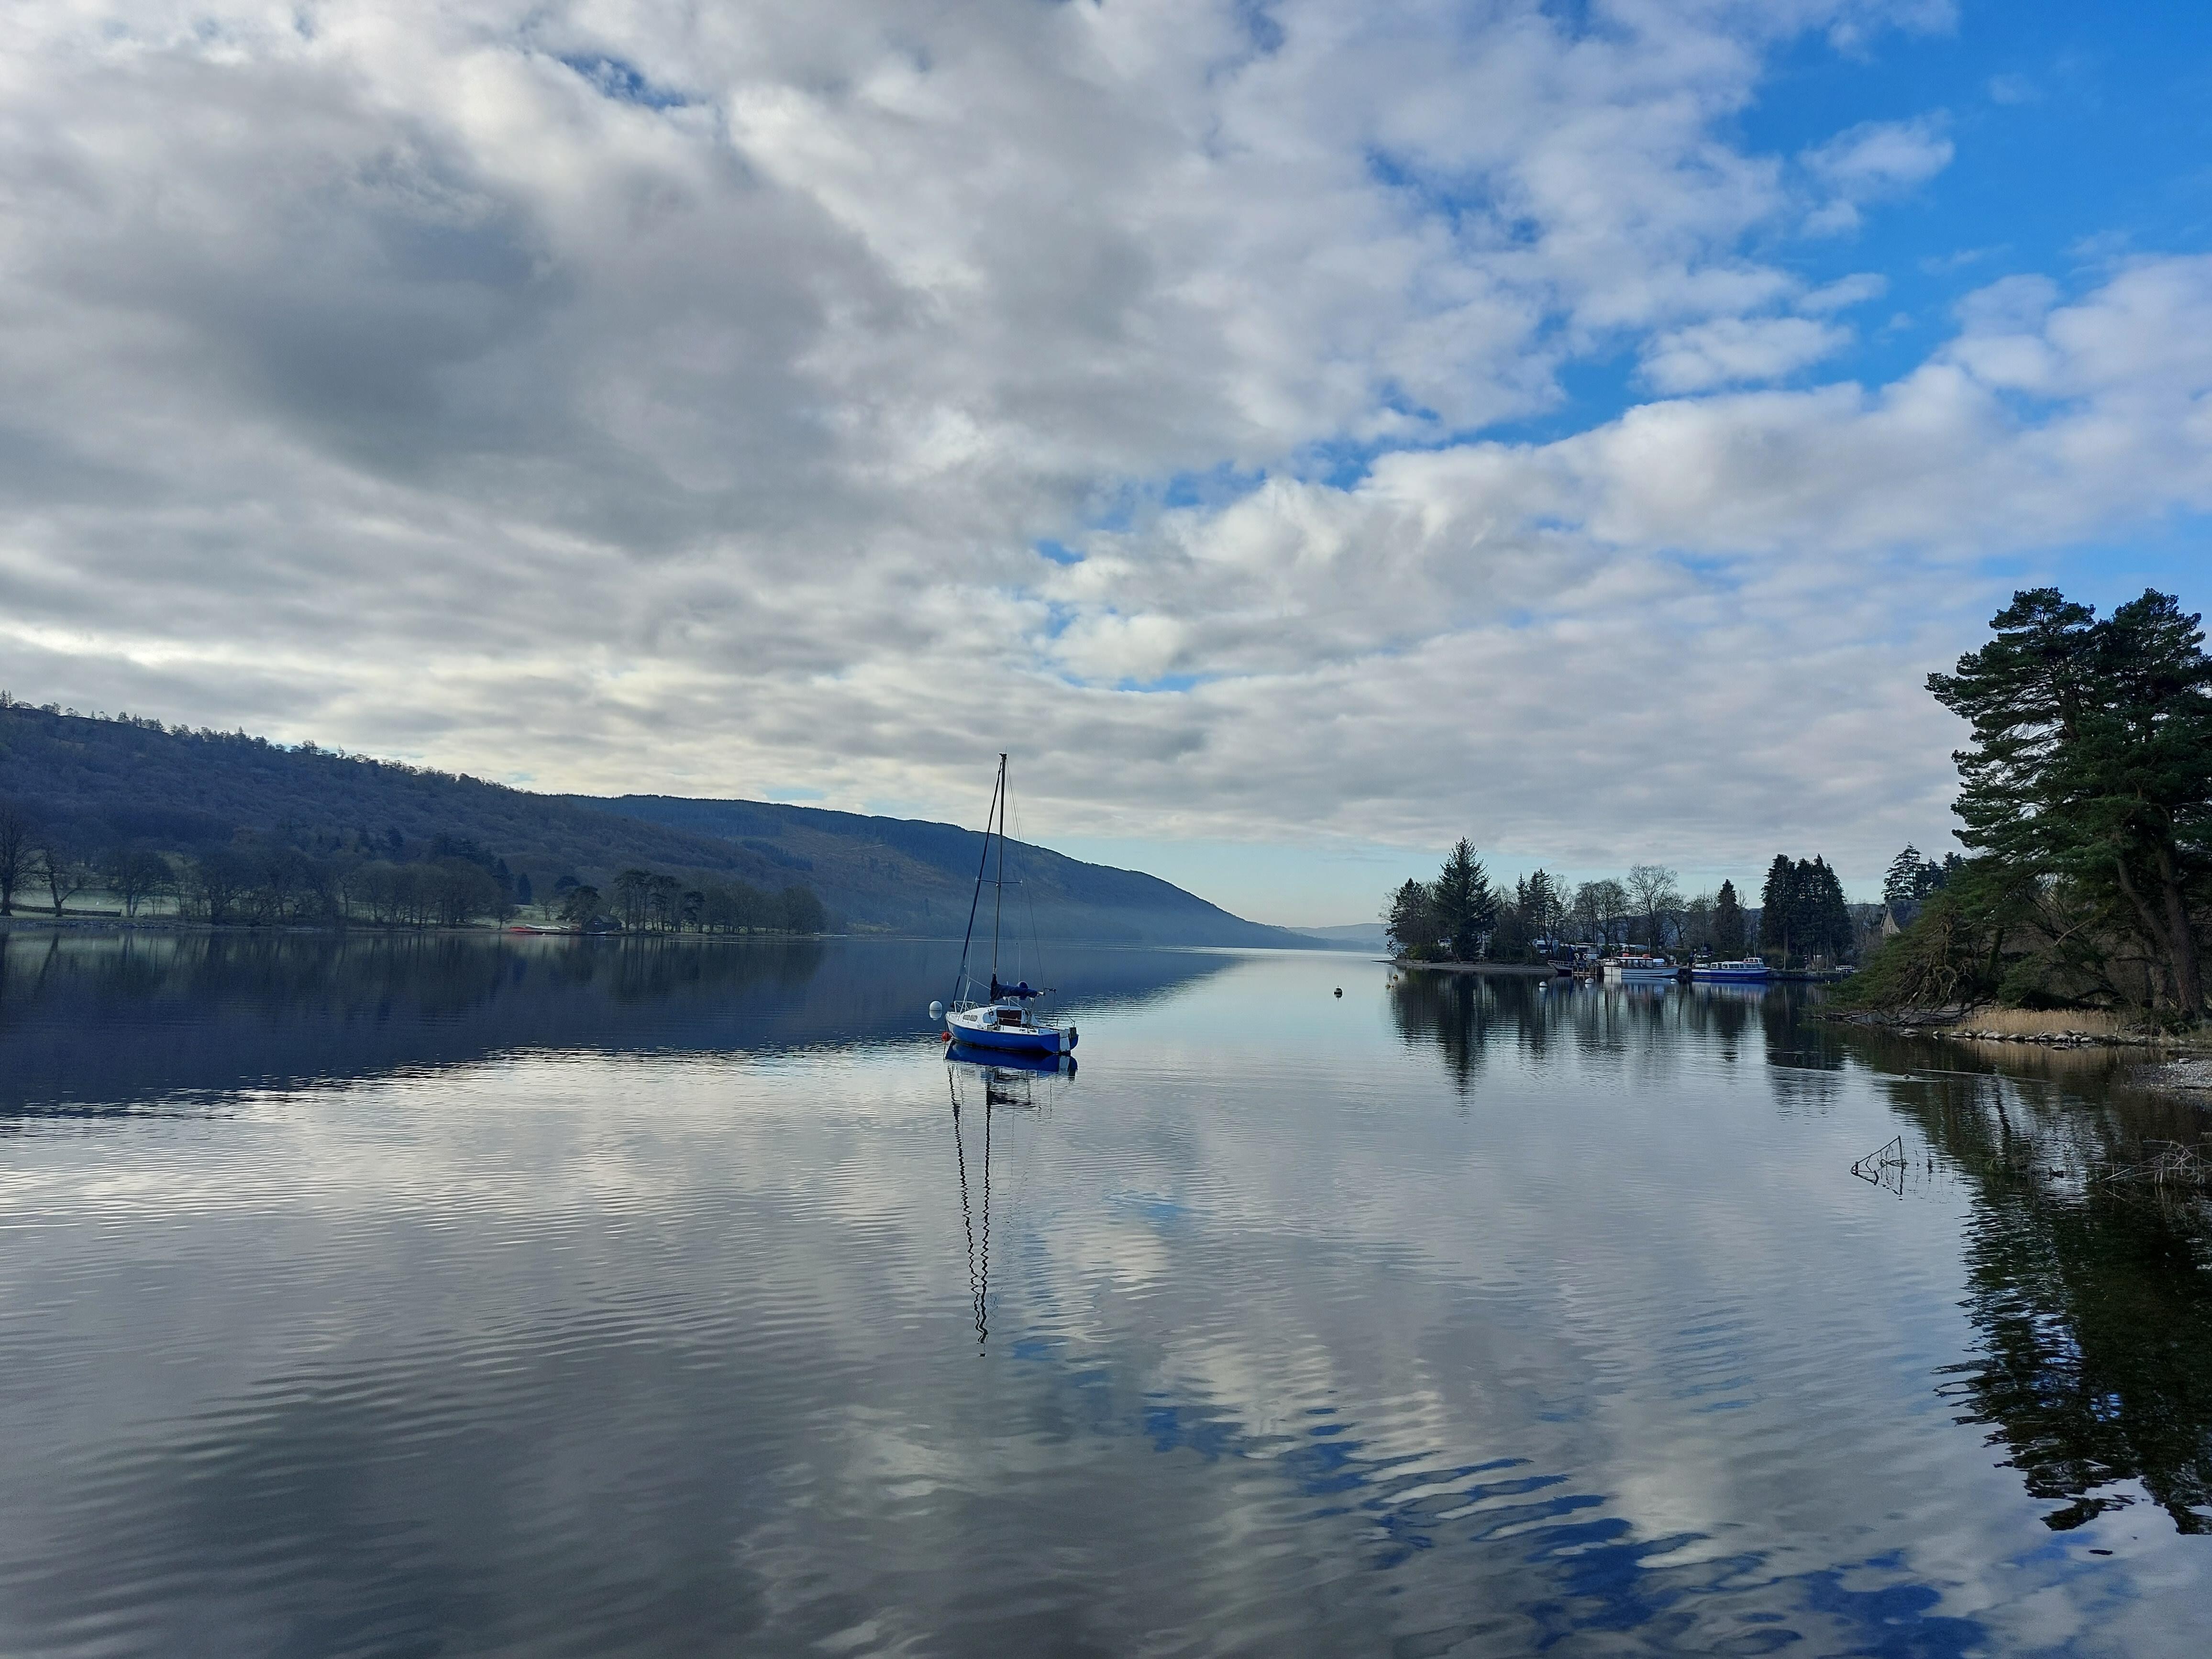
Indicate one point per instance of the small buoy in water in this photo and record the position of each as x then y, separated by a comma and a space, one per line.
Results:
936, 1011
1339, 990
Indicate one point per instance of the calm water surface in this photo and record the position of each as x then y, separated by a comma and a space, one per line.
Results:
453, 1297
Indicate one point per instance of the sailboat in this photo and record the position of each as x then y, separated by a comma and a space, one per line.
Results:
1005, 1019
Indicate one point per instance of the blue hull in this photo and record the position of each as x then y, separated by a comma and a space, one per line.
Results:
1007, 1059
1013, 1039
1707, 978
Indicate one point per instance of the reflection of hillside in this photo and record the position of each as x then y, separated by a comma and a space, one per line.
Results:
90, 1019
2094, 1304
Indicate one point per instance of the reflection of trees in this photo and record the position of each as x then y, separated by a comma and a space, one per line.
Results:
1723, 1013
2096, 1324
1467, 1015
2094, 1304
1457, 1012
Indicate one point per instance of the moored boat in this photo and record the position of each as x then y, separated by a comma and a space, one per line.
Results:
1006, 1020
1006, 1023
1749, 970
1639, 970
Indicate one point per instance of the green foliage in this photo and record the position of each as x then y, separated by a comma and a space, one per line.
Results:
1802, 914
2091, 767
1465, 905
1728, 942
1994, 933
1943, 960
1411, 921
1910, 879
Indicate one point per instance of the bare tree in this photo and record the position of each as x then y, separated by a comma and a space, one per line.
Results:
134, 874
1697, 923
17, 859
65, 873
1599, 907
633, 896
1652, 888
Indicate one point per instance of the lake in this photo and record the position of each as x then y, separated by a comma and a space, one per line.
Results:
449, 1296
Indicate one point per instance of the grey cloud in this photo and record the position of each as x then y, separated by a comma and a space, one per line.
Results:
691, 415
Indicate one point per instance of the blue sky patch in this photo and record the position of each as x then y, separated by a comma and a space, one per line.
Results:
625, 82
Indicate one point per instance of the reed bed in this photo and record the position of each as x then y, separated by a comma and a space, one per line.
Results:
2044, 1021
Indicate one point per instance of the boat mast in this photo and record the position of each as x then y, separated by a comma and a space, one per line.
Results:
997, 789
999, 888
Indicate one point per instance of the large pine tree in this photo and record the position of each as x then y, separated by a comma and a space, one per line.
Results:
1823, 920
1902, 886
2092, 762
1466, 906
1728, 923
1777, 907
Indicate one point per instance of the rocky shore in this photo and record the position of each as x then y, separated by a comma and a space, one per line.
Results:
2188, 1076
1959, 1022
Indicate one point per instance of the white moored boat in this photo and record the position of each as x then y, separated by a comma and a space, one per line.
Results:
1749, 970
1637, 970
1005, 1021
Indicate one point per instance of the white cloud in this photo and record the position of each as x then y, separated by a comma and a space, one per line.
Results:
1878, 157
1732, 350
667, 399
1871, 162
1845, 293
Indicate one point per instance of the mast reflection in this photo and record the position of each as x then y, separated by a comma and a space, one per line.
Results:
989, 1083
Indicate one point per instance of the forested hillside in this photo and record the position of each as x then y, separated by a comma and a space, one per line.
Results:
918, 876
92, 786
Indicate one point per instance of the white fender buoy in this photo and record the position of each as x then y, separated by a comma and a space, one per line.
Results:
936, 1011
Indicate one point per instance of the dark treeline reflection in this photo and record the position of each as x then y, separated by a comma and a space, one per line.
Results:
1467, 1015
2092, 1300
87, 1020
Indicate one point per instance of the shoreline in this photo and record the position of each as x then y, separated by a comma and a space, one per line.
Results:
1956, 1023
1510, 970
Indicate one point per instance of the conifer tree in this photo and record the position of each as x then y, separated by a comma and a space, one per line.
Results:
1465, 904
1902, 884
1410, 918
2092, 761
1728, 924
1822, 923
1777, 907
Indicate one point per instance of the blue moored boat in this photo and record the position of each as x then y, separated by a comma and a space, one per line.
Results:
1006, 1021
1748, 971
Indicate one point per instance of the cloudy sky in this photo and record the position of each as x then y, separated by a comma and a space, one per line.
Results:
1301, 433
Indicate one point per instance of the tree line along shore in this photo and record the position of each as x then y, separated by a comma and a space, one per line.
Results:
1802, 921
2085, 807
359, 879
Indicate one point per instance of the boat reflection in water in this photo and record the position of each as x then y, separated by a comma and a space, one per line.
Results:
983, 1083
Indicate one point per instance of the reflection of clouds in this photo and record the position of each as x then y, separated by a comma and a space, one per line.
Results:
1290, 1341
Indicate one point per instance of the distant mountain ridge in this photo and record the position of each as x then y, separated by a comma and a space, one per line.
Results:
912, 875
101, 782
1352, 936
